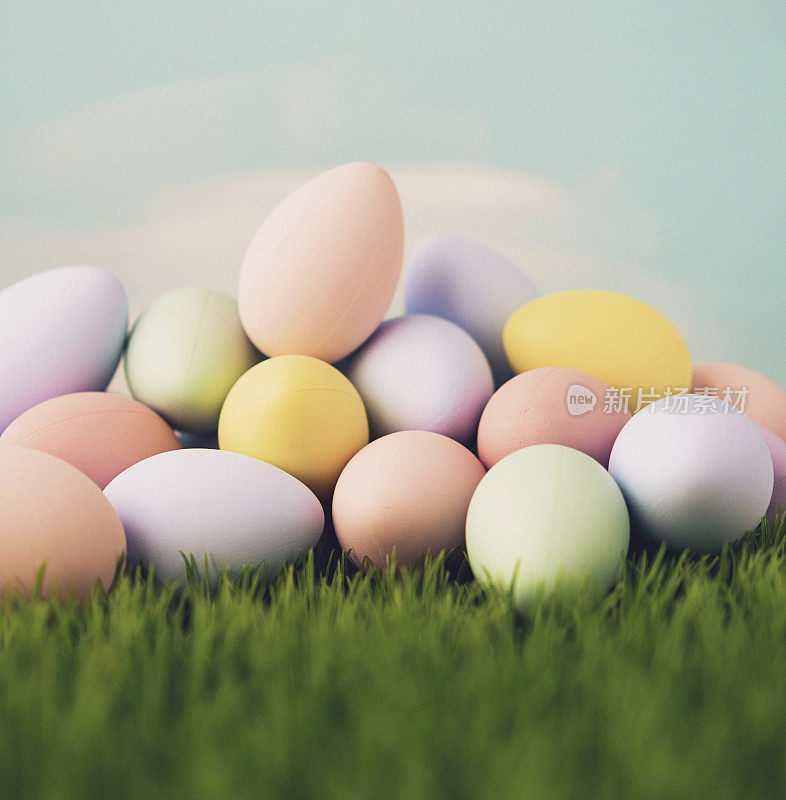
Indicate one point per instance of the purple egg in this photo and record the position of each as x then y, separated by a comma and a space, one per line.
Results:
420, 372
232, 508
61, 331
778, 452
470, 285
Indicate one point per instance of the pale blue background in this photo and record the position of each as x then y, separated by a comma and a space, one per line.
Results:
684, 99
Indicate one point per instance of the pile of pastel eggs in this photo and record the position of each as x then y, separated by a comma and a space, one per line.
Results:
535, 430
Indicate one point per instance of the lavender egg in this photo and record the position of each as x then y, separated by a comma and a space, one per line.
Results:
420, 372
232, 509
694, 470
777, 448
469, 284
61, 331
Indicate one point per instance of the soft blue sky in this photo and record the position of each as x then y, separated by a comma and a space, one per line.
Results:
106, 108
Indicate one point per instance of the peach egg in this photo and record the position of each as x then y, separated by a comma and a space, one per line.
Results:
406, 492
54, 515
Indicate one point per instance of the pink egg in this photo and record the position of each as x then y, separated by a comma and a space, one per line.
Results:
408, 491
101, 434
51, 513
754, 394
320, 273
778, 452
551, 405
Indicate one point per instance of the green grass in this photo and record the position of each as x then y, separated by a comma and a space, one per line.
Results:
334, 683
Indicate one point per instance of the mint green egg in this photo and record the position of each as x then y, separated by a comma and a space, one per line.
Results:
183, 355
547, 516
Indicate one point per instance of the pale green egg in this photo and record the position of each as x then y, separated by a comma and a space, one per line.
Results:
184, 353
544, 516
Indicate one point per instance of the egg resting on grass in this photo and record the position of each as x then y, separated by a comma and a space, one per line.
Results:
695, 472
409, 492
545, 516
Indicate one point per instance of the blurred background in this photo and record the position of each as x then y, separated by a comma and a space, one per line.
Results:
635, 146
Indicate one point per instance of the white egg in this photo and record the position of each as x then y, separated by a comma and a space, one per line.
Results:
694, 471
61, 331
232, 508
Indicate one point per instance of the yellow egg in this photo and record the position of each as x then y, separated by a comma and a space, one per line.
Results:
617, 338
299, 414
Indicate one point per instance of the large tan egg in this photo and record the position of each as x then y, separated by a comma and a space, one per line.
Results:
320, 273
749, 391
52, 513
408, 491
100, 434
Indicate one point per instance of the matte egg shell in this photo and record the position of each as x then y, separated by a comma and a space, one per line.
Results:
543, 516
471, 285
755, 395
695, 472
100, 434
778, 454
298, 413
52, 513
551, 405
184, 353
320, 273
233, 509
61, 331
420, 372
619, 339
407, 491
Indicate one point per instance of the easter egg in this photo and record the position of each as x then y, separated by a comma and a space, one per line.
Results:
777, 449
420, 372
407, 492
695, 472
298, 413
551, 405
184, 353
618, 339
543, 516
61, 331
100, 434
320, 273
226, 507
755, 395
469, 284
52, 514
